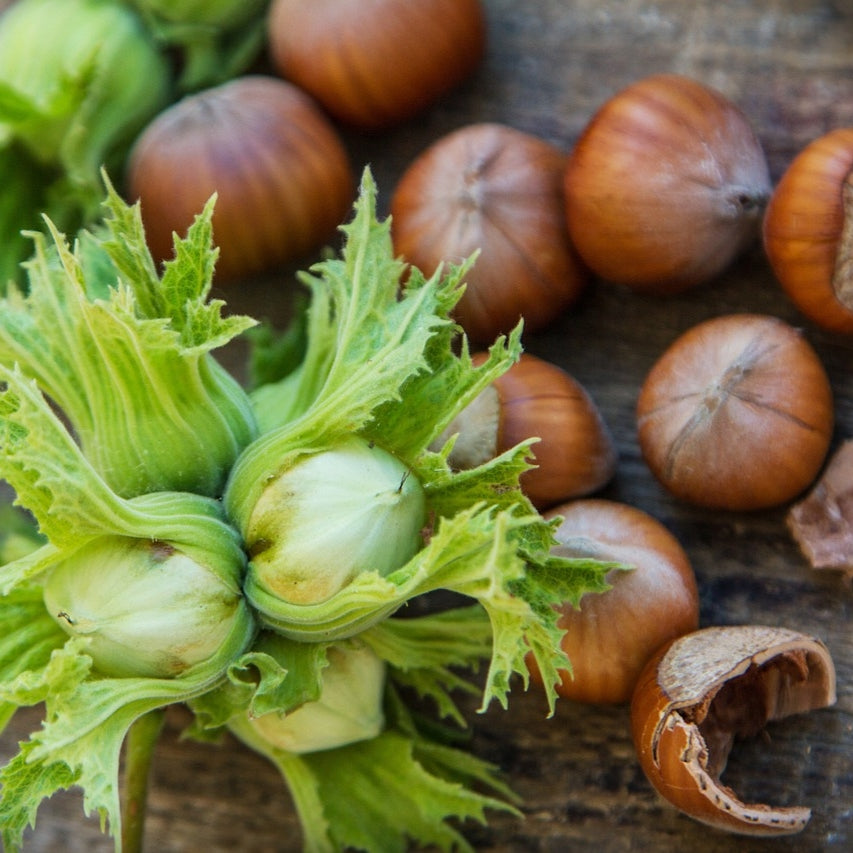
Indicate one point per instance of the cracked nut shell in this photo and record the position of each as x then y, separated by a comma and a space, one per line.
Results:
700, 692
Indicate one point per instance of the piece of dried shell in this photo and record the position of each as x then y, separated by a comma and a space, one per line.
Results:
703, 690
822, 522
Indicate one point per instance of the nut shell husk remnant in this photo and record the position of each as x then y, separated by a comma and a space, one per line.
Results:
700, 692
822, 522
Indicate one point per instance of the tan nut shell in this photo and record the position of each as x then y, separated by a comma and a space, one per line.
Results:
784, 672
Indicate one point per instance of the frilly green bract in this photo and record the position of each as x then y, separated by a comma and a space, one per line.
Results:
386, 362
125, 353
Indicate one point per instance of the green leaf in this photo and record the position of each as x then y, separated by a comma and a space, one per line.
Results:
70, 500
24, 197
379, 359
275, 675
49, 107
50, 475
28, 636
385, 793
495, 482
19, 534
384, 358
216, 40
16, 106
25, 786
181, 294
93, 76
274, 356
427, 653
409, 422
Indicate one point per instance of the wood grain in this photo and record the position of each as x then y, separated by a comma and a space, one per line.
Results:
549, 64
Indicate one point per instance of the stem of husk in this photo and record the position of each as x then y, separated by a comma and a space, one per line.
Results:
139, 751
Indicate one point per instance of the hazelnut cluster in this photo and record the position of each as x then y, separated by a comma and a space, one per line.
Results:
666, 186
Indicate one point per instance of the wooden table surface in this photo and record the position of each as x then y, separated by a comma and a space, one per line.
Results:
549, 65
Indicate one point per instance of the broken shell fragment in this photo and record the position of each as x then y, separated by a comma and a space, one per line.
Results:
700, 692
822, 522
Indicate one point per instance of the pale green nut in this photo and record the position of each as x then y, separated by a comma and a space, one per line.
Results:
149, 608
349, 708
331, 516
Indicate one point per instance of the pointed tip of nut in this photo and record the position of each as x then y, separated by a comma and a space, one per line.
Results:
705, 688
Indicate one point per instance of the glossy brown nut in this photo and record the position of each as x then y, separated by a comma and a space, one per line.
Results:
808, 231
375, 63
736, 414
279, 168
575, 454
495, 190
701, 692
665, 186
610, 636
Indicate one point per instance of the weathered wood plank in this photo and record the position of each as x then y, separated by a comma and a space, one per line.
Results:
549, 65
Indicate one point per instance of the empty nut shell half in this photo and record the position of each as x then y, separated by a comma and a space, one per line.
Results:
700, 692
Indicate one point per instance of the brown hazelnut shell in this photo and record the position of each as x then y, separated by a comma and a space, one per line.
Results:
376, 63
704, 689
736, 414
665, 186
575, 454
279, 168
808, 231
495, 190
609, 636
